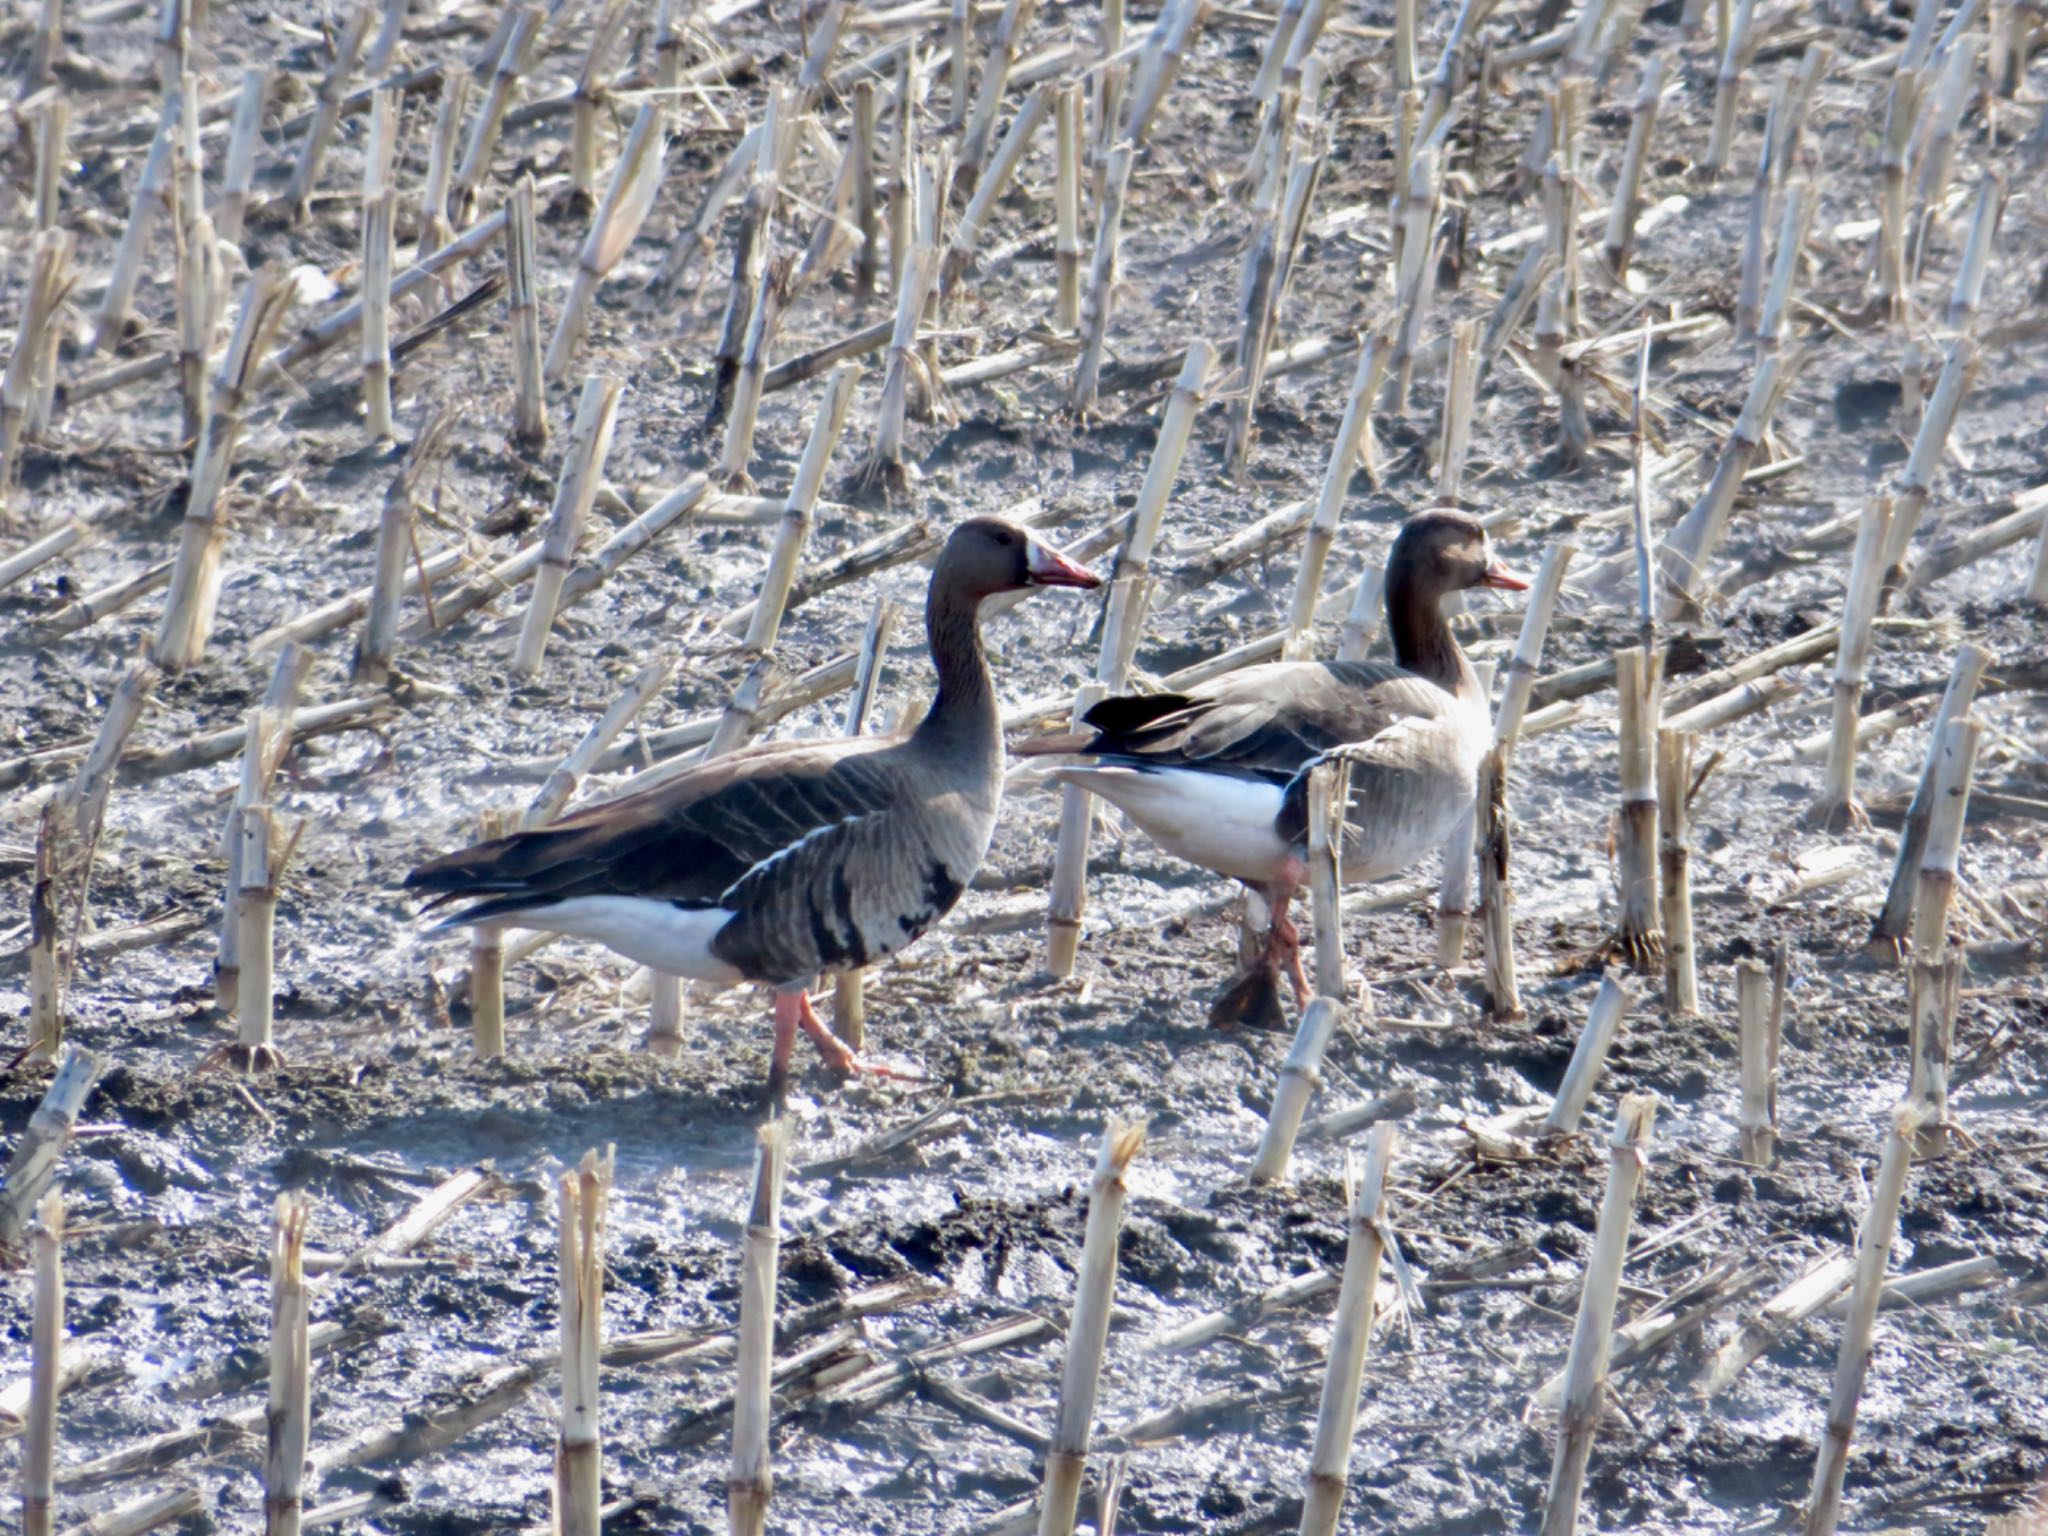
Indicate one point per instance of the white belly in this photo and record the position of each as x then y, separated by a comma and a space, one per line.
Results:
1214, 820
655, 933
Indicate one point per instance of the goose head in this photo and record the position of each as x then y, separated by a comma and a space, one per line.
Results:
986, 555
1445, 551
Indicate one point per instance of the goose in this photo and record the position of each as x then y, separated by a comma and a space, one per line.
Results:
1218, 775
785, 862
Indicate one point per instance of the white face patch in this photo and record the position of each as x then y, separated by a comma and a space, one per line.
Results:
1041, 560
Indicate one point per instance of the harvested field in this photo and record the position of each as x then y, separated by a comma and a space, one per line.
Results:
1845, 202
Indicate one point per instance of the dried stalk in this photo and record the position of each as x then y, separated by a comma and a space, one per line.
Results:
1455, 438
561, 785
45, 987
332, 329
1691, 544
1066, 203
1759, 1053
200, 290
1585, 1386
1728, 88
589, 99
1930, 443
424, 1431
1017, 16
1120, 631
145, 1512
1422, 190
1902, 110
32, 1166
1637, 936
795, 529
195, 584
390, 32
487, 962
244, 138
380, 212
291, 1372
264, 856
1328, 794
1968, 293
1530, 279
860, 152
1873, 1251
1528, 653
898, 162
771, 297
1450, 75
1102, 270
42, 299
1895, 918
52, 133
913, 289
1337, 1415
627, 199
298, 193
771, 138
1171, 40
520, 30
84, 799
1589, 1056
1791, 127
1322, 528
1496, 895
1936, 886
1934, 994
1268, 266
529, 394
151, 203
45, 1370
1806, 1295
751, 1480
1266, 84
1620, 238
579, 1468
72, 533
987, 188
264, 742
434, 226
1300, 1077
1749, 281
1801, 199
960, 48
373, 655
2037, 581
1935, 139
590, 439
1674, 858
1837, 807
1088, 1329
664, 1038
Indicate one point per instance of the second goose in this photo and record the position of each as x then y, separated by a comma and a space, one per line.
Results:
1217, 775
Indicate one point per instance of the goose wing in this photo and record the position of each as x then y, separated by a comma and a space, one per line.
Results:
1264, 721
685, 842
1408, 786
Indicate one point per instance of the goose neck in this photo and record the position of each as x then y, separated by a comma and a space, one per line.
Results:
1423, 642
964, 713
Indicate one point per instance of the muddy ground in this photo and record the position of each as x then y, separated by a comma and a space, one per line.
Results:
172, 1181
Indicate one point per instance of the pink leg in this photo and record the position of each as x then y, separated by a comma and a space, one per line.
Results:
838, 1056
1283, 937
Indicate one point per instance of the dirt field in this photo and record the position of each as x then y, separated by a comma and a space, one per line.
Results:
172, 1180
